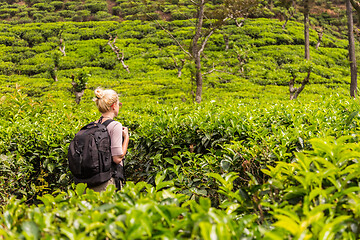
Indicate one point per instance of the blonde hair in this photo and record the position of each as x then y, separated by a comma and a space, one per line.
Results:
105, 99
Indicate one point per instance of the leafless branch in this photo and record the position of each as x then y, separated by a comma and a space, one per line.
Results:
172, 36
211, 71
179, 67
292, 13
217, 70
320, 35
193, 2
294, 92
241, 23
205, 41
117, 52
355, 5
62, 47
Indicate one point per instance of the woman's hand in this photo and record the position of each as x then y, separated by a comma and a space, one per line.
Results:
125, 132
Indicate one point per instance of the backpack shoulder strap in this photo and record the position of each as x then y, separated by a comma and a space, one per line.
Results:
107, 122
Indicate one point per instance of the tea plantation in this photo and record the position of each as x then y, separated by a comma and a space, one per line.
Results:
245, 163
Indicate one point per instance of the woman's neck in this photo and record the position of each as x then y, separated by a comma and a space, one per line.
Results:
110, 116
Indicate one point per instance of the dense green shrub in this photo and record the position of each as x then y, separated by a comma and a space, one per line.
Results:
242, 164
7, 40
4, 15
322, 191
25, 20
67, 13
161, 216
49, 18
116, 11
44, 7
7, 68
82, 15
103, 16
57, 4
202, 135
10, 12
95, 6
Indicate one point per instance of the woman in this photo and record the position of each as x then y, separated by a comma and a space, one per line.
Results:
108, 104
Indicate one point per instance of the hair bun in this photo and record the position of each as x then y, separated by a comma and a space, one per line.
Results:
99, 93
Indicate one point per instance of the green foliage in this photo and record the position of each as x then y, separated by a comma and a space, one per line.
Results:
139, 211
263, 65
57, 4
40, 153
320, 185
245, 163
7, 68
95, 6
81, 78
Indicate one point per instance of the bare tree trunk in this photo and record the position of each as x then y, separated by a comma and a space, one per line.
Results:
117, 52
320, 35
180, 67
288, 18
284, 25
294, 92
226, 40
306, 29
241, 23
271, 4
78, 94
352, 57
235, 9
196, 52
198, 77
54, 74
62, 47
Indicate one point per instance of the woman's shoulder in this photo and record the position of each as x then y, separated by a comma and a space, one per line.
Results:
114, 124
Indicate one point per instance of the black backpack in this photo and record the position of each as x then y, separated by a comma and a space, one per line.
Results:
89, 154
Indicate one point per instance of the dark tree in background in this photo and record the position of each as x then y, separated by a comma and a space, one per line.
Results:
306, 12
215, 19
352, 57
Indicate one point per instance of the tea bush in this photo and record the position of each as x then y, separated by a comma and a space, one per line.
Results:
318, 201
139, 211
203, 131
317, 191
243, 163
86, 45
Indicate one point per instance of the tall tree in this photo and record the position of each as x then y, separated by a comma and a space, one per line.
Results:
198, 47
230, 9
320, 32
294, 92
352, 57
306, 12
356, 6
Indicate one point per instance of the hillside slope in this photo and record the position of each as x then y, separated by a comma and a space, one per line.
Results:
260, 52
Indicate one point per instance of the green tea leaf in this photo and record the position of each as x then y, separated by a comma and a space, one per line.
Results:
287, 223
29, 228
80, 189
351, 117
